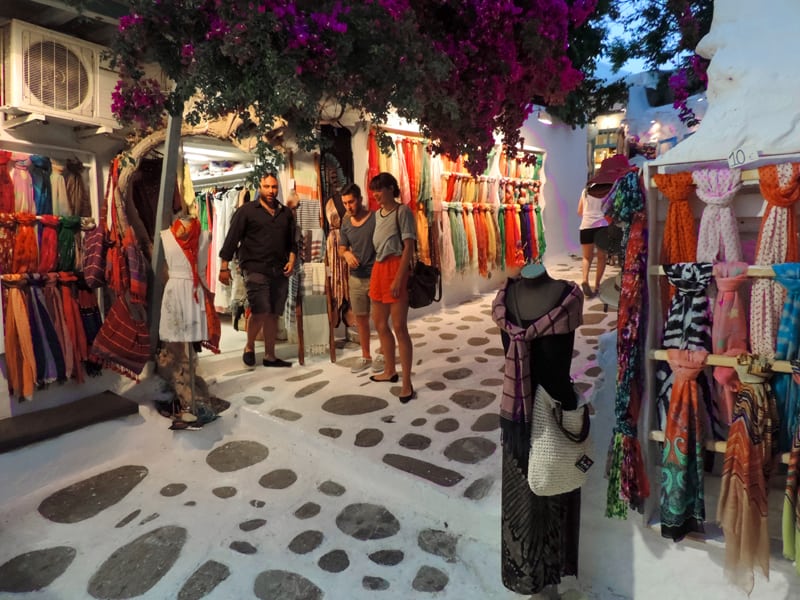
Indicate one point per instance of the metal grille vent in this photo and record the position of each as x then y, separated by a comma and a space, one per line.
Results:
55, 75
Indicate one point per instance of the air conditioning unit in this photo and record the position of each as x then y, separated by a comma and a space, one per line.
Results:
54, 75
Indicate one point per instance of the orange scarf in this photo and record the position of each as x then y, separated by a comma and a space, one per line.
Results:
188, 238
781, 194
20, 360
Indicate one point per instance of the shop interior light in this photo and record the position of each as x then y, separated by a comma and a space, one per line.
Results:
543, 117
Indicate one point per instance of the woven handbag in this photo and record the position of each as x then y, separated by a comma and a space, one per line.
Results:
560, 447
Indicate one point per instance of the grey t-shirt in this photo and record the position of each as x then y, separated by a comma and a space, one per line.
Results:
391, 230
359, 240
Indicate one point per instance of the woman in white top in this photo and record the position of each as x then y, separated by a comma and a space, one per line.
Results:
591, 208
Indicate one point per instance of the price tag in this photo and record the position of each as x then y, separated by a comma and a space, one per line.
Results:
743, 156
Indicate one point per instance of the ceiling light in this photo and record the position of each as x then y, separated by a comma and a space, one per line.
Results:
543, 117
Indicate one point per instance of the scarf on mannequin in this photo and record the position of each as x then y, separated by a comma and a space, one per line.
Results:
718, 238
516, 405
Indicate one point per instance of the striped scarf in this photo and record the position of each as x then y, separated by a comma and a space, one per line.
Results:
516, 405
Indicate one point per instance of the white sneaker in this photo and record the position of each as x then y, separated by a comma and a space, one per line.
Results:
363, 363
378, 363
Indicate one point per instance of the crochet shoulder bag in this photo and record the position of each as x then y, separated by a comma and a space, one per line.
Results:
560, 447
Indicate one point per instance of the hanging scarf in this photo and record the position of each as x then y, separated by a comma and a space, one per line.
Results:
491, 241
790, 521
472, 242
448, 254
688, 327
123, 342
212, 322
542, 244
48, 248
43, 337
189, 243
516, 405
26, 251
77, 194
718, 237
40, 171
46, 346
682, 498
8, 225
481, 238
777, 243
728, 331
525, 231
459, 237
55, 309
67, 233
788, 348
423, 236
749, 459
7, 202
679, 243
20, 360
58, 186
23, 186
72, 319
627, 480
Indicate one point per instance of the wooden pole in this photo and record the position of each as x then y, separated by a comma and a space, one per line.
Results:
298, 302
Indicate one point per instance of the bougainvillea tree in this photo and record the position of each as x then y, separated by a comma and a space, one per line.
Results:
462, 69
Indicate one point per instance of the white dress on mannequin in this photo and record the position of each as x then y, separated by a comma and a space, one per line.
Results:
183, 316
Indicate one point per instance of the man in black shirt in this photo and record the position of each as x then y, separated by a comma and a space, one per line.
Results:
263, 236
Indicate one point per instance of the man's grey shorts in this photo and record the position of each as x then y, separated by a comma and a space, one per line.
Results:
266, 294
359, 295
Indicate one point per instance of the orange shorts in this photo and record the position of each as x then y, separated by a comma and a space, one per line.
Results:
380, 282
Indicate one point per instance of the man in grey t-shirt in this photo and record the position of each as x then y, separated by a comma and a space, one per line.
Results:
355, 247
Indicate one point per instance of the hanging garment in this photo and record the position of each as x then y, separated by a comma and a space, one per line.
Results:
627, 479
8, 225
539, 535
728, 332
58, 185
786, 389
123, 342
68, 235
77, 195
48, 248
20, 360
679, 243
688, 327
448, 258
525, 231
481, 238
540, 241
23, 185
373, 166
46, 348
183, 317
26, 251
7, 202
501, 238
749, 460
472, 239
55, 308
76, 336
790, 522
682, 498
777, 243
423, 235
718, 237
90, 315
40, 170
54, 351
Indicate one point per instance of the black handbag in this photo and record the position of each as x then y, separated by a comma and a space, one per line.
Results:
424, 285
424, 281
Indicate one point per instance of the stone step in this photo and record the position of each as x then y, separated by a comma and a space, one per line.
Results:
25, 429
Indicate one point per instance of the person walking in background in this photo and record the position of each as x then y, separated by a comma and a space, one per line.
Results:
355, 247
593, 220
263, 235
394, 238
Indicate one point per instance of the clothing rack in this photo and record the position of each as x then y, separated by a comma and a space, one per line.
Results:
721, 360
229, 178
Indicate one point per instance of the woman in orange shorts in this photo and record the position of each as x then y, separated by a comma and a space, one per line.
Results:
394, 237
